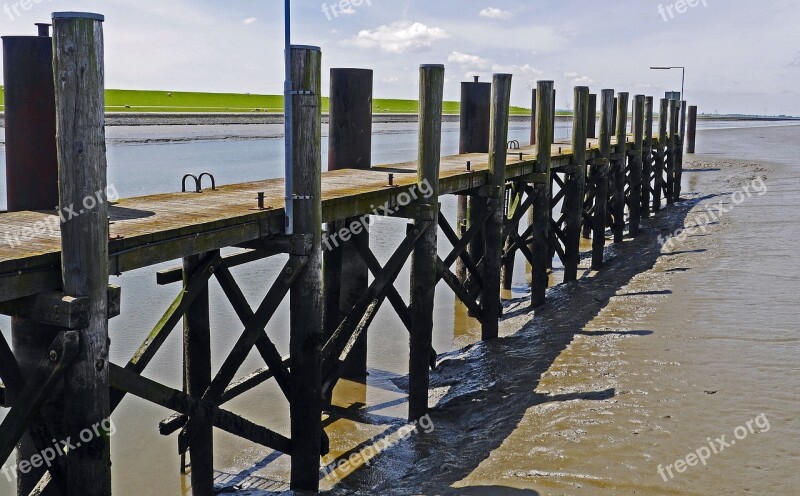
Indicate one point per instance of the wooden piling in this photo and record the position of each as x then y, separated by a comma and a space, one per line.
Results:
473, 138
31, 184
636, 174
575, 185
591, 119
647, 157
679, 149
197, 376
80, 142
533, 117
600, 178
491, 307
618, 168
345, 274
660, 154
672, 150
424, 256
305, 299
691, 131
541, 207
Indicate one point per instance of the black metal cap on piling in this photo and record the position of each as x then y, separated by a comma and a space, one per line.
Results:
44, 29
475, 111
30, 123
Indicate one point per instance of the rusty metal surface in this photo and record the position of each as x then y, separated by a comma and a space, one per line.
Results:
31, 164
475, 108
350, 118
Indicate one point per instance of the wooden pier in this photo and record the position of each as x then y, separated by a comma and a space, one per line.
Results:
54, 265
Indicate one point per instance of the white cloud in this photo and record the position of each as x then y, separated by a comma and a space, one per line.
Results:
469, 61
495, 13
390, 79
398, 37
249, 20
526, 73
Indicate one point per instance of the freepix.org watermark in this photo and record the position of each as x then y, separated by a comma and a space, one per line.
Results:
343, 7
670, 11
713, 212
715, 446
362, 224
12, 10
365, 456
48, 455
63, 215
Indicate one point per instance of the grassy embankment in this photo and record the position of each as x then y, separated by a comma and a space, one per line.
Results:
178, 101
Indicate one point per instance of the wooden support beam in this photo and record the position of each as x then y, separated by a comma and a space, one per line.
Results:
491, 305
541, 207
660, 154
265, 346
142, 387
335, 351
54, 308
636, 167
63, 352
423, 257
448, 277
175, 274
575, 185
306, 333
515, 193
391, 293
80, 143
618, 168
197, 376
647, 157
254, 328
600, 178
194, 286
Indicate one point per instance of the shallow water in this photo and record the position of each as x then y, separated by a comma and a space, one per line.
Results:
138, 449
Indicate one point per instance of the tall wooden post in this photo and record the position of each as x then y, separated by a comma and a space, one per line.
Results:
575, 185
306, 293
533, 117
691, 132
493, 236
197, 376
679, 151
553, 127
473, 138
618, 168
600, 178
661, 154
541, 206
80, 143
346, 275
423, 258
591, 120
636, 175
672, 150
647, 157
31, 184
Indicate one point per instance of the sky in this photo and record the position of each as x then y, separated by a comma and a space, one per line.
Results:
740, 56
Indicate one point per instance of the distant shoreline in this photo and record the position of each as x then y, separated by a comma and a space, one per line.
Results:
216, 119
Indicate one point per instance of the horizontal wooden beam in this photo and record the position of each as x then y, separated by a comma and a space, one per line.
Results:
132, 383
57, 309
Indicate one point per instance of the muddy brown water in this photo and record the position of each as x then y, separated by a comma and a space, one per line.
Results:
631, 368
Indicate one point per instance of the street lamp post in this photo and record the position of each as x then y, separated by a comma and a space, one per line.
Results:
683, 76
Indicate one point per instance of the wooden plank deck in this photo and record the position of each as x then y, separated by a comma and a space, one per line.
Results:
152, 229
